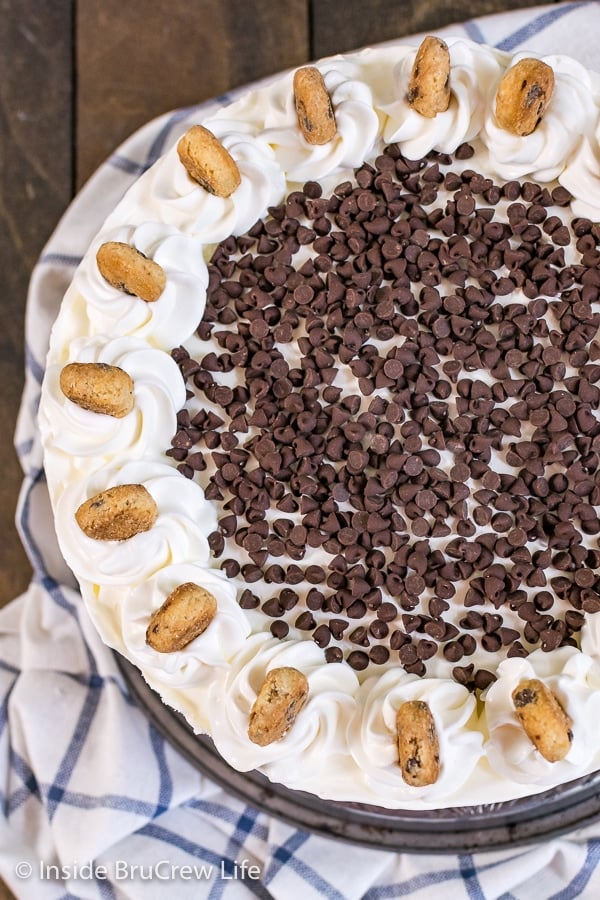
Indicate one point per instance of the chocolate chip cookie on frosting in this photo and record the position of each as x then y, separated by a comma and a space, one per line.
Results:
321, 426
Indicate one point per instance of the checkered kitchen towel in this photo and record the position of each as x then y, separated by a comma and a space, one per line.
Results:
95, 804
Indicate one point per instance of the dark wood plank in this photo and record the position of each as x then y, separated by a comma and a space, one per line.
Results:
35, 187
338, 25
135, 61
5, 894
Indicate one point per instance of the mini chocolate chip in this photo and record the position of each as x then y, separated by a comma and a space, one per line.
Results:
248, 600
408, 654
231, 567
453, 651
414, 584
322, 635
356, 610
280, 629
379, 629
379, 655
483, 679
337, 627
288, 598
272, 607
398, 639
358, 660
305, 621
426, 649
359, 636
387, 612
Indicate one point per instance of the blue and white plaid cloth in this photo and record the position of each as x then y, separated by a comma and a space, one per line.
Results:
95, 804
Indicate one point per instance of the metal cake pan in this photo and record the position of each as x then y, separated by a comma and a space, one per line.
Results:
464, 829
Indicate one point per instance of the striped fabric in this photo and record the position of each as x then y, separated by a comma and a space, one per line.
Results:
95, 803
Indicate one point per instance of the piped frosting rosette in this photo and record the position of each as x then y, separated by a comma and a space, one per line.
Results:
574, 678
357, 124
582, 176
179, 534
318, 733
475, 73
372, 733
172, 318
570, 115
177, 199
126, 618
82, 439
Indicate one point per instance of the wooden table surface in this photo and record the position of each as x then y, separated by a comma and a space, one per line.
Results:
78, 76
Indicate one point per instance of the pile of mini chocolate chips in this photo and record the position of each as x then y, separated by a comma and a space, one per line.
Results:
400, 383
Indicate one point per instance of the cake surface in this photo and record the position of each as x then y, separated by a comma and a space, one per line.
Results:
356, 542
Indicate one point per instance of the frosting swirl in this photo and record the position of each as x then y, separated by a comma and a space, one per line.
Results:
582, 176
575, 679
177, 199
318, 732
82, 440
179, 534
223, 638
372, 734
357, 126
172, 318
548, 150
474, 75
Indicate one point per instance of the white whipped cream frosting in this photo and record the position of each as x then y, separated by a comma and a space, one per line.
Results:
549, 151
372, 733
582, 176
90, 440
318, 733
574, 678
475, 73
172, 318
185, 519
357, 123
183, 203
342, 745
195, 663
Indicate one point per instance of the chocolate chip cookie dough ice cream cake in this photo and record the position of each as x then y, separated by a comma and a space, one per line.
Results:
321, 426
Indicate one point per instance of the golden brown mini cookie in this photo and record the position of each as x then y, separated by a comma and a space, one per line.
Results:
523, 95
185, 614
316, 118
98, 387
418, 745
429, 85
126, 269
208, 162
544, 720
118, 513
279, 700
